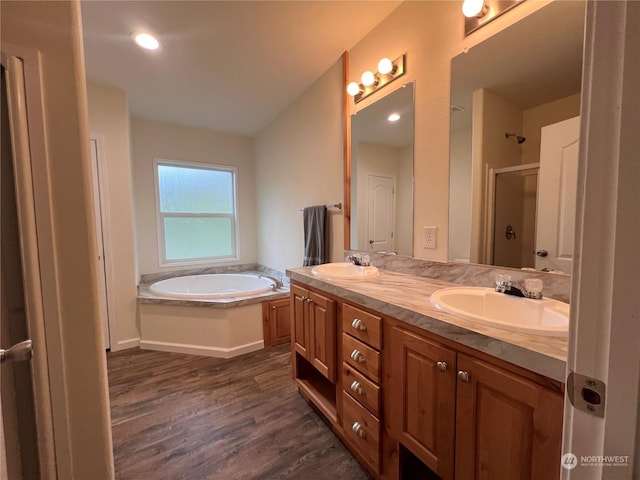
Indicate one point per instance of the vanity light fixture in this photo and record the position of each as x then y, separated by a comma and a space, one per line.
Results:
370, 82
146, 41
394, 117
480, 12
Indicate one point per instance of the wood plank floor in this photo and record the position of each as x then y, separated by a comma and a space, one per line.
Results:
180, 416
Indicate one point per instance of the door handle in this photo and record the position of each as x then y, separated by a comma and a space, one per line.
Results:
17, 353
370, 242
510, 233
542, 253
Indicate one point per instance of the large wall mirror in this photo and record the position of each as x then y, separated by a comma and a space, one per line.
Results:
515, 101
381, 181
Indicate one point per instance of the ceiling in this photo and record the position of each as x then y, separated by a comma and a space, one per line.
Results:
229, 66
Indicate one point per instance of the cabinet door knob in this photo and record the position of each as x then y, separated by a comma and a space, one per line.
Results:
357, 388
357, 428
463, 376
308, 300
442, 366
358, 325
358, 356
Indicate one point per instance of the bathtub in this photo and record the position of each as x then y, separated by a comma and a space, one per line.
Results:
212, 286
212, 314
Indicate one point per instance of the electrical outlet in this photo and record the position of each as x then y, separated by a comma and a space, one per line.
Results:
429, 239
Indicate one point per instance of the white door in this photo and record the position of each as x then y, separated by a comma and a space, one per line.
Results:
97, 205
380, 217
557, 195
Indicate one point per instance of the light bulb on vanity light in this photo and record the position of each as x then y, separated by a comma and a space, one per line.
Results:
385, 66
368, 78
474, 8
353, 89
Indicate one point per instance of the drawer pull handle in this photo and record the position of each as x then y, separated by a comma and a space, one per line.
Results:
359, 325
357, 428
463, 376
442, 366
358, 356
357, 388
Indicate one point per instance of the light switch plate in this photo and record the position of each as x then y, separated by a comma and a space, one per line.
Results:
429, 238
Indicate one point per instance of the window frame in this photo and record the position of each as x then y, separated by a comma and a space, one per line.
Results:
160, 229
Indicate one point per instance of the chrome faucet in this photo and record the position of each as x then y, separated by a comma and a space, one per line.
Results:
277, 283
532, 287
359, 260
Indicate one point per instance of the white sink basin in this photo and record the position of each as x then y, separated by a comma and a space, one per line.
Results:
486, 306
344, 271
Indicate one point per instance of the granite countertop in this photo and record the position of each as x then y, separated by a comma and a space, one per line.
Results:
406, 298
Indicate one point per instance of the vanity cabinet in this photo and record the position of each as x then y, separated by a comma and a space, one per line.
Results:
520, 420
314, 329
425, 399
276, 322
469, 419
361, 375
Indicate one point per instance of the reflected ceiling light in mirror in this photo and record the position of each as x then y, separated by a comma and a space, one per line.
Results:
370, 82
394, 117
480, 12
145, 40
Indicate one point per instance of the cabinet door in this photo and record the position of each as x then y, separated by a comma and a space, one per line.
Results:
277, 322
299, 320
426, 398
322, 321
507, 427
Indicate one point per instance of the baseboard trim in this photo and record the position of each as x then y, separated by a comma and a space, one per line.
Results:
125, 344
200, 349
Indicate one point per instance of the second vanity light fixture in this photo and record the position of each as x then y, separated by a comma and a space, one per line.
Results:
371, 82
480, 12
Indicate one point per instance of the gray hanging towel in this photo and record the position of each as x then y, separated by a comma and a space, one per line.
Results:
316, 240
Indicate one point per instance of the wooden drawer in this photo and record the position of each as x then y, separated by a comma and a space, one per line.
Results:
361, 388
362, 430
362, 325
364, 358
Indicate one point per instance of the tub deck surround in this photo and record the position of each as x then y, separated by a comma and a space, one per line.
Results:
406, 298
145, 296
219, 327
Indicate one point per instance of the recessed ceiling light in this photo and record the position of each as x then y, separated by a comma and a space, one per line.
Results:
146, 41
394, 117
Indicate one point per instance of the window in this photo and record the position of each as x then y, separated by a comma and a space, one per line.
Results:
196, 209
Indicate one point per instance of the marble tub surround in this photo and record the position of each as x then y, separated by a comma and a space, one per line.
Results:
556, 286
406, 298
145, 296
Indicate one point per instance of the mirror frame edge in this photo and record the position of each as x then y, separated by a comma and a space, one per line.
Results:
346, 123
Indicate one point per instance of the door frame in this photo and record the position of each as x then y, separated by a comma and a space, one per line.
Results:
104, 224
604, 331
29, 151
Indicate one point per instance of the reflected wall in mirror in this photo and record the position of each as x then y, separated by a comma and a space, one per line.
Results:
382, 175
505, 93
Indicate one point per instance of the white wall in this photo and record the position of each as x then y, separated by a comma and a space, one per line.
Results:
79, 392
460, 191
299, 162
151, 139
109, 120
404, 203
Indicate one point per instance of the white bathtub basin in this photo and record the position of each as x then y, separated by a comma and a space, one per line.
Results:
344, 271
546, 317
